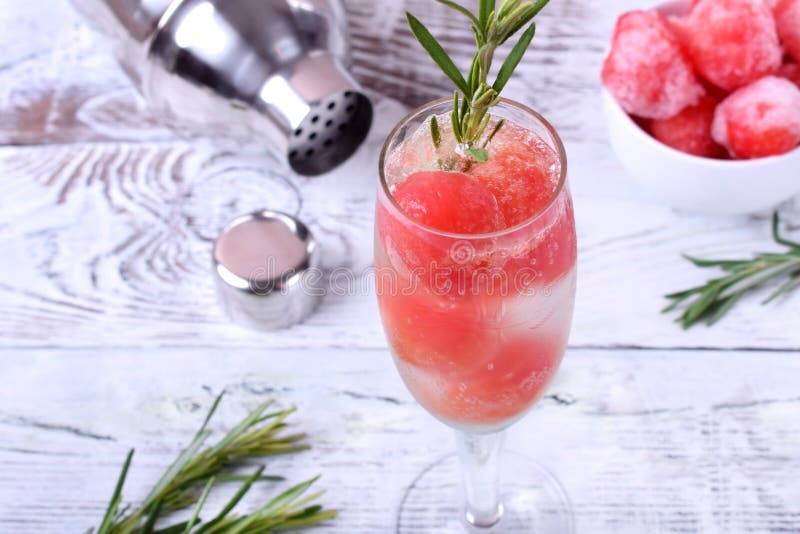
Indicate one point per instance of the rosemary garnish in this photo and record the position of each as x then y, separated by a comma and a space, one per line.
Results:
195, 473
474, 95
712, 300
436, 134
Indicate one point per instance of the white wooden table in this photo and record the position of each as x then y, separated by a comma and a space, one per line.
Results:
111, 337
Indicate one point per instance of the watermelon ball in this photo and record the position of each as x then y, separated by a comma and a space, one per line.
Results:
791, 71
647, 70
787, 20
762, 119
733, 42
770, 3
449, 201
690, 130
679, 26
522, 174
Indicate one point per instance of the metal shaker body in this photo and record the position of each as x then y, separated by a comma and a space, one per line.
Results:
271, 71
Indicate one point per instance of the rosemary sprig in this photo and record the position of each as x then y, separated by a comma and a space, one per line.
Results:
474, 96
257, 435
710, 301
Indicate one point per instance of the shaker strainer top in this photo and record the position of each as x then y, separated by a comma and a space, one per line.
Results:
271, 71
330, 133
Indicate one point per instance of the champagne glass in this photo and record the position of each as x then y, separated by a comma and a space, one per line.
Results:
477, 323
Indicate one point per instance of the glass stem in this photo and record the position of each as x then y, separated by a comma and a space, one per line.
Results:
479, 455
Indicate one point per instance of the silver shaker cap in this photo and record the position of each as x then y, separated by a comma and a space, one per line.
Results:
266, 270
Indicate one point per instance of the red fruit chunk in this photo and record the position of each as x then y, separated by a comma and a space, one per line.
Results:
791, 71
521, 370
449, 201
678, 25
431, 336
762, 119
647, 70
770, 3
787, 20
733, 42
550, 255
521, 174
690, 130
520, 192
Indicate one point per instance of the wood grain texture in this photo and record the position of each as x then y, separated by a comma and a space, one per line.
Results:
662, 442
109, 245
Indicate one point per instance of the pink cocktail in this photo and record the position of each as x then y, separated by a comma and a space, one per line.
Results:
475, 266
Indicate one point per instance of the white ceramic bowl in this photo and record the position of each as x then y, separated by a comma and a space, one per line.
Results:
696, 184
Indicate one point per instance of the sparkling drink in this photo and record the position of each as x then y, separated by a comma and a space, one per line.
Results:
476, 272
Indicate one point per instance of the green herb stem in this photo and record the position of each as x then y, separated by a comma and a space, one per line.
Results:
475, 96
196, 472
711, 301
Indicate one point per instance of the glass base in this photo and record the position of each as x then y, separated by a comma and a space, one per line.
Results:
533, 501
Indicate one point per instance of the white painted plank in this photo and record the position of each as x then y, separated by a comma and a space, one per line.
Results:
659, 442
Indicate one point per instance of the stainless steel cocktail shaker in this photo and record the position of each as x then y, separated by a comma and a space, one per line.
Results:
246, 69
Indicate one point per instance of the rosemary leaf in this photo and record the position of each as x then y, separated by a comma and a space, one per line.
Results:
485, 8
699, 262
513, 59
116, 497
174, 529
463, 10
496, 129
722, 308
285, 499
465, 118
538, 5
456, 122
507, 7
231, 504
491, 28
760, 274
258, 434
482, 128
176, 467
200, 503
480, 39
154, 513
475, 74
517, 20
711, 301
480, 154
308, 518
437, 53
210, 414
791, 284
436, 135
